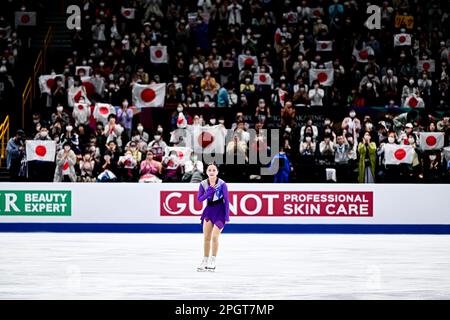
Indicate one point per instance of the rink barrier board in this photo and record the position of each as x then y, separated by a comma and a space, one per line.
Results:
153, 208
231, 228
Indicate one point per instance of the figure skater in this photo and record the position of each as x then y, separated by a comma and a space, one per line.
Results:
213, 218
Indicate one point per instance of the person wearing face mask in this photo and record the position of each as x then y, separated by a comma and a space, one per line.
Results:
351, 124
65, 165
71, 137
60, 115
367, 159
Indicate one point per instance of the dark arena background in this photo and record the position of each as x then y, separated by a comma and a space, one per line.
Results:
328, 120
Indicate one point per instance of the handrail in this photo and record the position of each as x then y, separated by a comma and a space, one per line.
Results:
4, 131
29, 92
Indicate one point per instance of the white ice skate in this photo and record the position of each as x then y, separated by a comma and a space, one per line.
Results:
211, 267
203, 265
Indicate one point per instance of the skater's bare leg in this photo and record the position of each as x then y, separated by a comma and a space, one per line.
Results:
207, 235
215, 240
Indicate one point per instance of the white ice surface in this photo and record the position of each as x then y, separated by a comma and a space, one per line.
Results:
249, 266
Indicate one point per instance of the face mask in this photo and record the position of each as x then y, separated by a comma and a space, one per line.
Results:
140, 128
59, 109
411, 140
69, 128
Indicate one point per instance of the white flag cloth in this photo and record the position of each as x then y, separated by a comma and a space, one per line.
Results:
75, 93
324, 76
324, 45
93, 85
431, 140
396, 154
40, 150
402, 39
81, 113
46, 82
426, 65
206, 139
413, 101
87, 70
151, 95
158, 54
25, 18
102, 112
262, 79
206, 104
246, 60
128, 13
363, 54
183, 153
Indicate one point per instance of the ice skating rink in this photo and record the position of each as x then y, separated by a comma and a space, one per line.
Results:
250, 266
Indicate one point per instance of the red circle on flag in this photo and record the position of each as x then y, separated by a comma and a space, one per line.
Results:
104, 110
90, 89
126, 13
400, 154
66, 165
41, 151
324, 45
363, 54
158, 53
426, 66
413, 102
322, 77
25, 18
148, 95
205, 139
431, 140
402, 39
249, 61
50, 83
263, 78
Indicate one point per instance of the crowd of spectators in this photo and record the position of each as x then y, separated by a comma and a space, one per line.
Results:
344, 126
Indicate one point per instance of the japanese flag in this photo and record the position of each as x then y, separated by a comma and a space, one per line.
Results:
25, 18
431, 140
183, 153
102, 112
152, 95
87, 70
207, 139
40, 150
158, 54
206, 104
128, 13
262, 79
402, 39
46, 82
324, 45
426, 65
324, 76
246, 60
93, 85
363, 54
396, 154
413, 101
75, 94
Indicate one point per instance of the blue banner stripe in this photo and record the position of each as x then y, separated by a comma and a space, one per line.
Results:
229, 228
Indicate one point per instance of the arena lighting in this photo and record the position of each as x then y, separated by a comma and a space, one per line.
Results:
224, 159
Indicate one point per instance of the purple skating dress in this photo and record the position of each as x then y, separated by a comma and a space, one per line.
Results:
218, 208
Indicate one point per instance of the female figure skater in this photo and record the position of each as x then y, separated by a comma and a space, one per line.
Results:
213, 218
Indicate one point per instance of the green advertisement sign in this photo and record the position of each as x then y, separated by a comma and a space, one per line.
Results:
35, 203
